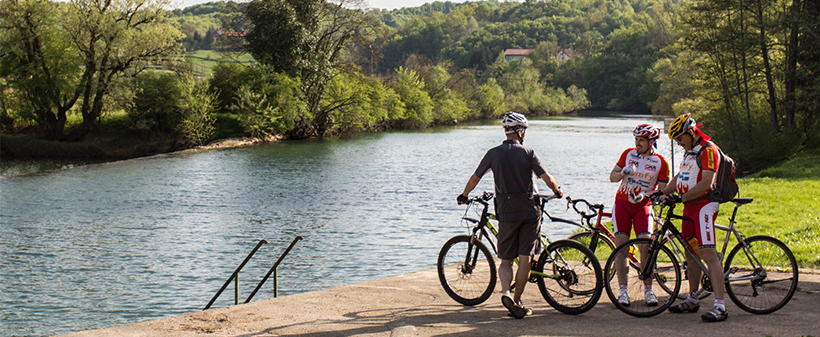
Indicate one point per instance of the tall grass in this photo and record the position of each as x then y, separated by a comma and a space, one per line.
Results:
786, 206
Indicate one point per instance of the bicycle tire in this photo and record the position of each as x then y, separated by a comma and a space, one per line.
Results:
684, 284
577, 285
471, 285
603, 248
666, 270
765, 292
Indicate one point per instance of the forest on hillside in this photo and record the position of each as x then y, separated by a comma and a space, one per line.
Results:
746, 69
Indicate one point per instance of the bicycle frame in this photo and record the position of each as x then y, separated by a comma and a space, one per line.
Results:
484, 224
668, 229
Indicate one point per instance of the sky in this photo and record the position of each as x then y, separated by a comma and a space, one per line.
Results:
381, 4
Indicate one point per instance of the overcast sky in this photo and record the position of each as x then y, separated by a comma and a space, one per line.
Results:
383, 4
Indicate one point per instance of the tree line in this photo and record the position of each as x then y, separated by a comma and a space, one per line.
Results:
747, 69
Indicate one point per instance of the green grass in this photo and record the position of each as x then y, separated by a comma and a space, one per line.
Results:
204, 60
786, 206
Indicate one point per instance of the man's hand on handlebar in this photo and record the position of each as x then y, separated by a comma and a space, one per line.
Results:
461, 199
655, 194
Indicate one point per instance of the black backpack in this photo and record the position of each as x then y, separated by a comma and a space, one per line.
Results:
725, 187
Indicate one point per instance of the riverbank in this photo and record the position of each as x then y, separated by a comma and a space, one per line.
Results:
101, 147
416, 305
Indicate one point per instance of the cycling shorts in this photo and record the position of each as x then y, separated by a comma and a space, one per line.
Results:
626, 215
702, 225
518, 238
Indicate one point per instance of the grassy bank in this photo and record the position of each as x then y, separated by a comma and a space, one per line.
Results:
786, 206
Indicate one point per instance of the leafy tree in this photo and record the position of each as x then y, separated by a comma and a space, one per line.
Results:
196, 106
417, 103
69, 53
305, 39
38, 63
154, 103
360, 103
115, 39
271, 104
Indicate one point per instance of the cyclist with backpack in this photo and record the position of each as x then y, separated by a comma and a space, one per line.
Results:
695, 183
639, 170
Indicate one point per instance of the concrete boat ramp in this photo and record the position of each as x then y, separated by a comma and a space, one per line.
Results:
416, 305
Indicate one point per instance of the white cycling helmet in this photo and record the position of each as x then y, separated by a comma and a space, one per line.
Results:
514, 122
648, 131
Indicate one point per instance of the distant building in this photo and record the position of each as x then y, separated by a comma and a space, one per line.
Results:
566, 54
516, 54
232, 36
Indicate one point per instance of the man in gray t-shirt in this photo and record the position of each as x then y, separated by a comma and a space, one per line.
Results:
519, 216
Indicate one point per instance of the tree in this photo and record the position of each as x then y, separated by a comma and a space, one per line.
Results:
115, 38
62, 54
306, 39
38, 62
417, 103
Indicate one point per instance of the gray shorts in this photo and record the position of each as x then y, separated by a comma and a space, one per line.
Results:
518, 238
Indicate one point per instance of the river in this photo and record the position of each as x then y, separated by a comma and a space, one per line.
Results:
93, 246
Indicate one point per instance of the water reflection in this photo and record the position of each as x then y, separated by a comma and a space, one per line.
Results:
102, 245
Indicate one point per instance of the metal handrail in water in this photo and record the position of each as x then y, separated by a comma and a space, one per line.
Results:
235, 276
273, 270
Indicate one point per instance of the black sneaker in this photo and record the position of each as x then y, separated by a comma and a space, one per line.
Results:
528, 311
516, 310
685, 306
715, 315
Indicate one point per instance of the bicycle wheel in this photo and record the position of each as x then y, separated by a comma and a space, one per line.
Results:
665, 281
573, 280
603, 247
763, 278
466, 271
679, 252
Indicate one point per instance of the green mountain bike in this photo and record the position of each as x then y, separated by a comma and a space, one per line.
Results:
567, 272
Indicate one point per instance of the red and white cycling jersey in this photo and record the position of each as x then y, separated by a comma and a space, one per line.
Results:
690, 173
649, 171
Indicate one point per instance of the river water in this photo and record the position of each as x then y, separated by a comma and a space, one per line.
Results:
94, 246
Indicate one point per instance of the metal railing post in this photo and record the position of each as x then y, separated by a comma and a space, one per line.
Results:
273, 269
235, 275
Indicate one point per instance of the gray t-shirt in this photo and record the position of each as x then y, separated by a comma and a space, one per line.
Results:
513, 166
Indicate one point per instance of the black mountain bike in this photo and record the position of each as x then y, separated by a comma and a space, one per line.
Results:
567, 272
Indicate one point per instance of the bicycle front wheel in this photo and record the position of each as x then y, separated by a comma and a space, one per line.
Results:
762, 278
602, 248
570, 277
665, 281
466, 270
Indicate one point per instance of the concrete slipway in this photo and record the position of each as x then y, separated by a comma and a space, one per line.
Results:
415, 305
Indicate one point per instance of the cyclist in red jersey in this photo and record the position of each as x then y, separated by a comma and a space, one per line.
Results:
639, 170
693, 182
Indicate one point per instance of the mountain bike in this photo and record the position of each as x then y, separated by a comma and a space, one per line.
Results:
601, 240
760, 272
567, 273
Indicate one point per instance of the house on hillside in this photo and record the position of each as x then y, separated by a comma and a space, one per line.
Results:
516, 54
567, 53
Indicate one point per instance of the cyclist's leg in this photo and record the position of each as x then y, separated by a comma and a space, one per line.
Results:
522, 276
529, 233
708, 249
507, 252
641, 221
688, 230
505, 274
622, 226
